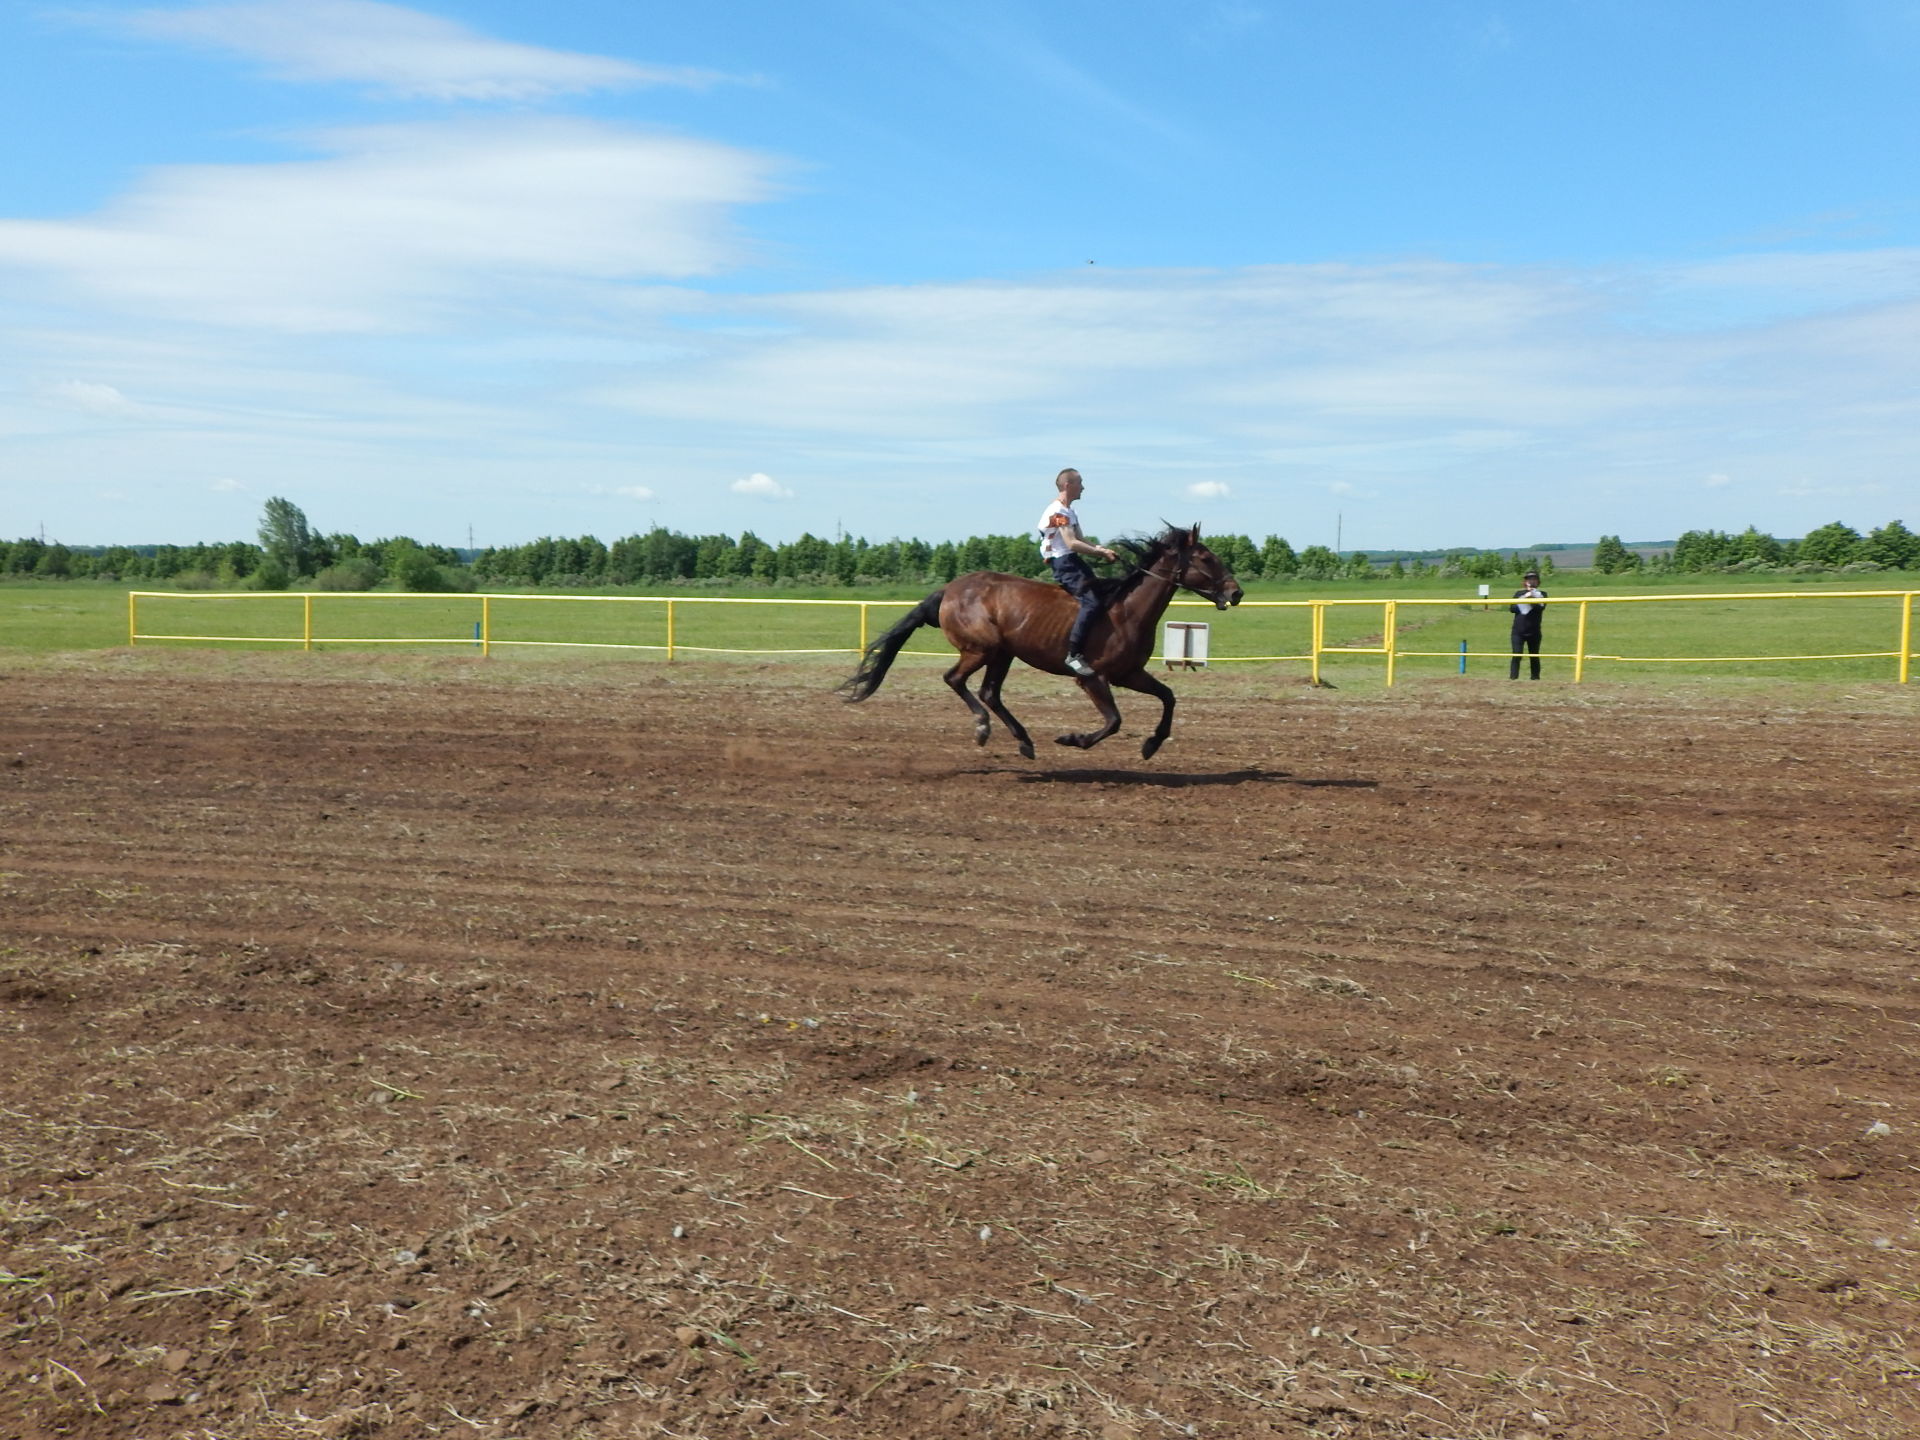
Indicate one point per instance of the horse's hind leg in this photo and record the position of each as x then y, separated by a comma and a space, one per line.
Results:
1098, 691
956, 679
1143, 682
990, 682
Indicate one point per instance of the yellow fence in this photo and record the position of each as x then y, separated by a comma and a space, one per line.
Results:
605, 622
1392, 652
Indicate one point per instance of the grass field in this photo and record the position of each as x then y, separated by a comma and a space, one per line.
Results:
1856, 637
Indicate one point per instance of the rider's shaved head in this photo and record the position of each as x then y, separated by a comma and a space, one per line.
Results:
1061, 480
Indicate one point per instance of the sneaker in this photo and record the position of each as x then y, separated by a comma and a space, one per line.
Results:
1078, 665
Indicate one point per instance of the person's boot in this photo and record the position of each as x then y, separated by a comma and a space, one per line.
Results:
1077, 663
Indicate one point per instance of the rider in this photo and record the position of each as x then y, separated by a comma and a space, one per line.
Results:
1062, 546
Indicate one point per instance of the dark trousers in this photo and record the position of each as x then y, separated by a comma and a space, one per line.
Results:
1530, 641
1076, 578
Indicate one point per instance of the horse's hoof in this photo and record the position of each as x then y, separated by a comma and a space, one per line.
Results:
1026, 749
980, 735
1078, 742
1149, 745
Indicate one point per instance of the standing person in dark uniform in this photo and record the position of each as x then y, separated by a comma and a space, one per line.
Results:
1529, 602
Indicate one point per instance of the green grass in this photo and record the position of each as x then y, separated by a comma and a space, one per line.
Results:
1433, 619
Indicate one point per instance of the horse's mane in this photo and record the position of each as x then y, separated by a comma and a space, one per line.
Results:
1141, 552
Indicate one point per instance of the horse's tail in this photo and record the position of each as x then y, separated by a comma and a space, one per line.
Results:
879, 655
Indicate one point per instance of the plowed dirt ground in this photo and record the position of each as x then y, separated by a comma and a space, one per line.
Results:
400, 1047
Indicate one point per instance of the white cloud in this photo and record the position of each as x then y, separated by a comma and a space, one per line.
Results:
763, 486
400, 51
633, 492
1209, 490
398, 227
226, 485
1716, 481
92, 397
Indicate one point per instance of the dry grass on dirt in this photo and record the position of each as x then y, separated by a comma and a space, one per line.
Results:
403, 1048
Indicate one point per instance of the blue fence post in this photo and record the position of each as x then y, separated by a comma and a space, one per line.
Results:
1463, 657
476, 634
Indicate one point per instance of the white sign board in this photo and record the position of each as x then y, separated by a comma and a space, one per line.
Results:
1184, 642
1485, 591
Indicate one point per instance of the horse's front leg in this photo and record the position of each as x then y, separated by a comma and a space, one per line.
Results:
956, 679
1101, 693
1143, 682
990, 682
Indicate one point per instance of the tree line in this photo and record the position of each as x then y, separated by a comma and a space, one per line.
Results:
290, 553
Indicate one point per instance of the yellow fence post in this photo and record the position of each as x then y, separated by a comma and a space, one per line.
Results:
669, 630
1580, 645
133, 617
486, 626
863, 627
1392, 616
1906, 636
1318, 630
306, 622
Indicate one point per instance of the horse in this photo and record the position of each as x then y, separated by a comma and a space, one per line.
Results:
994, 619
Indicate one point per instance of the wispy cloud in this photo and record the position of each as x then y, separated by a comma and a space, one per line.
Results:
1209, 490
395, 49
996, 45
91, 397
393, 225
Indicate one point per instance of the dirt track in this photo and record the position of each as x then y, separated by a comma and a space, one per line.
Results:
401, 1048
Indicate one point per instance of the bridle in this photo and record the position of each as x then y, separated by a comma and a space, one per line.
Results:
1177, 581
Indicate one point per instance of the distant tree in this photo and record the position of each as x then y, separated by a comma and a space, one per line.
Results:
713, 557
1238, 552
270, 574
757, 558
1755, 546
356, 572
1277, 560
1832, 546
286, 536
412, 568
1317, 562
1894, 546
1609, 555
1702, 550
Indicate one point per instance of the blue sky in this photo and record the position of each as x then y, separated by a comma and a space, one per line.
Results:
1408, 274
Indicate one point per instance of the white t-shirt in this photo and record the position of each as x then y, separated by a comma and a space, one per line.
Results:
1057, 522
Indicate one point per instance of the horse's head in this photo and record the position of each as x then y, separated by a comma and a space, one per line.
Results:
1200, 570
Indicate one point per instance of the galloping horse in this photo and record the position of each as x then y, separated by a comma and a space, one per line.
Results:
994, 619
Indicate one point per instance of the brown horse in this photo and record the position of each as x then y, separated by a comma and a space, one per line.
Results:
994, 619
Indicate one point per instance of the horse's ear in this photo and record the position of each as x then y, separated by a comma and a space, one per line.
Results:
1193, 535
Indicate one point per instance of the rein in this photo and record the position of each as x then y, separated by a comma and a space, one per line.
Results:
1174, 579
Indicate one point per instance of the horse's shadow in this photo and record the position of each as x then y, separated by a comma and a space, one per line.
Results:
1172, 780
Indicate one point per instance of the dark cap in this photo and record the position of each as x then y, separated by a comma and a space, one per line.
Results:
1531, 575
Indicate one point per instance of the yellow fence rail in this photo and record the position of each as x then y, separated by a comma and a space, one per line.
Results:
1391, 651
1397, 615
